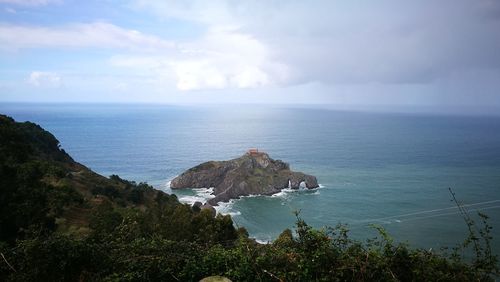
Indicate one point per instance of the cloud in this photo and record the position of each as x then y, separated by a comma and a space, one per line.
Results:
31, 3
44, 79
262, 44
222, 58
343, 42
95, 35
226, 58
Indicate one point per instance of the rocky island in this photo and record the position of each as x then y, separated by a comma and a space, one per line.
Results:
254, 173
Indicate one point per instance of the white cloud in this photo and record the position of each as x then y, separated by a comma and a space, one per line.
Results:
96, 35
193, 75
250, 44
343, 42
31, 3
44, 79
225, 56
222, 58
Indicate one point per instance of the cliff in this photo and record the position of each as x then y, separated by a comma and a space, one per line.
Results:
254, 173
43, 188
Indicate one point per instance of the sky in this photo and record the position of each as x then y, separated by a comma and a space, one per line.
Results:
443, 55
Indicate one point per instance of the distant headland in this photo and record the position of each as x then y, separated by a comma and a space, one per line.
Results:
254, 173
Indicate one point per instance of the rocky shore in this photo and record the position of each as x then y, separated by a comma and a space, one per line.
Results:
254, 173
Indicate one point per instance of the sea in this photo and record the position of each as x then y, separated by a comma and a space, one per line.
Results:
392, 170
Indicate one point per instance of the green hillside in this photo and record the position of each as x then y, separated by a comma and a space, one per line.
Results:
59, 221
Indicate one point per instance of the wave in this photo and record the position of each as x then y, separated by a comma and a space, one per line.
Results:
227, 208
264, 242
284, 193
287, 192
207, 193
190, 199
200, 195
166, 188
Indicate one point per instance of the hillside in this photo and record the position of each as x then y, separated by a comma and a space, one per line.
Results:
43, 187
62, 222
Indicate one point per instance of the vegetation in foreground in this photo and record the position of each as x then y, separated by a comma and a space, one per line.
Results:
59, 221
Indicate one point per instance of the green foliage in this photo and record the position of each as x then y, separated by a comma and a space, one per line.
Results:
108, 191
133, 192
136, 233
104, 220
479, 239
126, 247
24, 202
28, 202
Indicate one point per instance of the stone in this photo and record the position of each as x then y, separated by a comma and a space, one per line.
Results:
254, 173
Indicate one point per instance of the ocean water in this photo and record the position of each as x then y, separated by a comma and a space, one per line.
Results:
393, 170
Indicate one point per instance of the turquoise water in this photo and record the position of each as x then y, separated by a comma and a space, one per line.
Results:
388, 169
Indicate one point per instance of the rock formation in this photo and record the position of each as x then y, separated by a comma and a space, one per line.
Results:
254, 173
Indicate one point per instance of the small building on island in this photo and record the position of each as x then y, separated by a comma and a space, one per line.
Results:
253, 152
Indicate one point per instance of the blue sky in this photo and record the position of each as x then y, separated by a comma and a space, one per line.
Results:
394, 54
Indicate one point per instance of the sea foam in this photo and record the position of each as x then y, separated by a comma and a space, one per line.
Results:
227, 208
